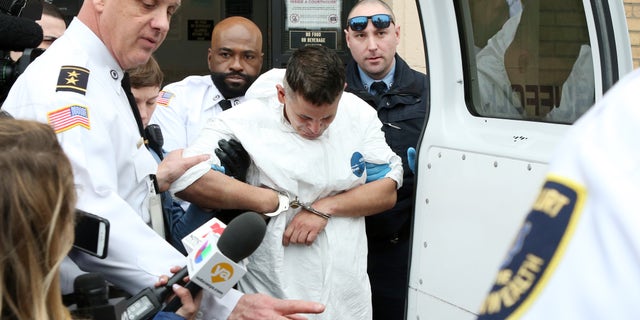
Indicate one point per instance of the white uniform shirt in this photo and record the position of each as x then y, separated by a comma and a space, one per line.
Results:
578, 253
333, 270
184, 107
75, 86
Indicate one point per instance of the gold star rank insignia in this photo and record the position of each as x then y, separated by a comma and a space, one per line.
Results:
73, 78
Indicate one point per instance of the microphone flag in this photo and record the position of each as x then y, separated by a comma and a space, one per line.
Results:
212, 270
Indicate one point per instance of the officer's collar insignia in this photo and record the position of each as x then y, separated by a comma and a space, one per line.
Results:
74, 79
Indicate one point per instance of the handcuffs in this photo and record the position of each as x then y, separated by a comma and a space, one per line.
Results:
284, 203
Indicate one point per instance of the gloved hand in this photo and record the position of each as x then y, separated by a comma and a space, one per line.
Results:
376, 171
234, 158
411, 158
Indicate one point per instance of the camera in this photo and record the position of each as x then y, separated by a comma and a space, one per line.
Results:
10, 70
18, 32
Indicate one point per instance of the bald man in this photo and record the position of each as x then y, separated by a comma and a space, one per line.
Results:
183, 108
235, 61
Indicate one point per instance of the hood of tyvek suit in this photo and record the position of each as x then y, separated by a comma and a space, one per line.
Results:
265, 86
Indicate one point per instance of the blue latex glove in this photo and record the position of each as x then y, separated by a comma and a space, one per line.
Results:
411, 158
218, 168
376, 171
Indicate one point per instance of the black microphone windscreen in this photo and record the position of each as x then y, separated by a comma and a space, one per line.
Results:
17, 34
242, 236
90, 290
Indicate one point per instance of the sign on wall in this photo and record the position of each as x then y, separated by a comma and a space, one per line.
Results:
313, 14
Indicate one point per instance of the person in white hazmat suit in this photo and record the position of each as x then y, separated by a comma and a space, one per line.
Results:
313, 147
497, 97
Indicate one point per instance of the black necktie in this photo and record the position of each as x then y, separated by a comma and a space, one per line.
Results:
378, 87
225, 104
126, 86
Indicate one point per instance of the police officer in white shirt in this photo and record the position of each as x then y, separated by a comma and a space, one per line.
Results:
576, 255
75, 86
234, 59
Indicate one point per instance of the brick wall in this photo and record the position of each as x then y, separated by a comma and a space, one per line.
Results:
632, 9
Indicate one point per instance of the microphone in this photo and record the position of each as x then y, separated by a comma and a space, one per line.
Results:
90, 289
148, 302
18, 34
91, 295
217, 270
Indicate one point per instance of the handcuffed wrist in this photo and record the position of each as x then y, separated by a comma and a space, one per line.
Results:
285, 202
296, 203
283, 205
316, 212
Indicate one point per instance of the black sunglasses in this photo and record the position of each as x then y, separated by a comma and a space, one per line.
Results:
380, 21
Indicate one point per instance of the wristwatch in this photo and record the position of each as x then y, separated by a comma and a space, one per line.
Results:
283, 205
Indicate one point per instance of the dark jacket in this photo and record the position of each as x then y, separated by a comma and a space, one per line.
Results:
402, 110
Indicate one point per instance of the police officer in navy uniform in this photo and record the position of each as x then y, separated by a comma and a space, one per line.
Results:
378, 75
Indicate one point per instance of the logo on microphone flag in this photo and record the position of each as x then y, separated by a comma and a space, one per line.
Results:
193, 240
211, 269
203, 252
221, 272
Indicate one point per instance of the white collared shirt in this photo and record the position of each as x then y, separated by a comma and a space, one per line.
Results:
186, 107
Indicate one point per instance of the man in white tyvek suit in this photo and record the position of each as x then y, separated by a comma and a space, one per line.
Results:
576, 256
499, 100
309, 140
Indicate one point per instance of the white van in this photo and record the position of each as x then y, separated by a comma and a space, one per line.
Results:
508, 78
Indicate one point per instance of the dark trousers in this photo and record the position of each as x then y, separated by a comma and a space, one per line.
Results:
388, 269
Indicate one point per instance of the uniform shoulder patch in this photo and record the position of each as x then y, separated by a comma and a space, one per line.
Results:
68, 117
164, 97
536, 251
73, 78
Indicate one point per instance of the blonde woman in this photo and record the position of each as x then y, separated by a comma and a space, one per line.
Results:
37, 204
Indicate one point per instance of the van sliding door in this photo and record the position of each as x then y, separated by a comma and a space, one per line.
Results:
507, 79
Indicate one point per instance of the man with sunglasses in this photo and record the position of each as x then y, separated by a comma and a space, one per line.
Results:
379, 76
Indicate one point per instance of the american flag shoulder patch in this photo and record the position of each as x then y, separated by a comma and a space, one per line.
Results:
164, 97
73, 78
68, 117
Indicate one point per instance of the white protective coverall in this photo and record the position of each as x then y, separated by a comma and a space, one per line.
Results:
333, 270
